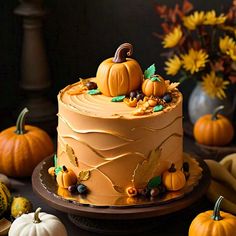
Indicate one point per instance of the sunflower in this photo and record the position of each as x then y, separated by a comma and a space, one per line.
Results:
232, 53
226, 44
214, 86
192, 21
211, 19
173, 38
173, 65
194, 60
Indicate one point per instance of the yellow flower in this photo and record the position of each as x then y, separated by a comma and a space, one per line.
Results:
173, 65
226, 44
211, 19
173, 38
192, 21
214, 86
232, 53
194, 60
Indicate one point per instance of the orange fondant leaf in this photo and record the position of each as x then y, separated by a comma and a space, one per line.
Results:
71, 155
84, 175
145, 171
172, 86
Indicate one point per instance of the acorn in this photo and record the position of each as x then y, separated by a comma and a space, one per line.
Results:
72, 188
140, 96
91, 85
133, 94
154, 192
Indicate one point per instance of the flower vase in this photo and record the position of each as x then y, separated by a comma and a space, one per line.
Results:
200, 103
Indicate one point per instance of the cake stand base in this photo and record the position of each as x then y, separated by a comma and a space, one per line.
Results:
115, 227
116, 220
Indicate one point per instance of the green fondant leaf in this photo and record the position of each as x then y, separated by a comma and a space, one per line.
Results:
149, 71
94, 92
118, 98
55, 160
158, 108
58, 170
155, 78
154, 182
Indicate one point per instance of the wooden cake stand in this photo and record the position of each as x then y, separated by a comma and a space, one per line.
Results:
116, 220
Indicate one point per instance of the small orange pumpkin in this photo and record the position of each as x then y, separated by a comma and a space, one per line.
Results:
213, 223
119, 75
22, 147
154, 86
213, 129
66, 178
173, 179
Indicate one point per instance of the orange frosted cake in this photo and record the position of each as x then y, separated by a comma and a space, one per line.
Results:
119, 132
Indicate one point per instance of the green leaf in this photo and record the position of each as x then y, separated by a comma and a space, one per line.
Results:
158, 108
58, 170
154, 182
155, 78
94, 91
118, 98
149, 71
55, 160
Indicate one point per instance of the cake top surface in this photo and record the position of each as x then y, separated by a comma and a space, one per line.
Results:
122, 90
102, 106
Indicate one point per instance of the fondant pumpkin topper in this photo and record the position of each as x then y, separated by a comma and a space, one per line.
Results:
119, 75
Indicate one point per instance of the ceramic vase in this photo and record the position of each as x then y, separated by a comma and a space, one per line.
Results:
200, 103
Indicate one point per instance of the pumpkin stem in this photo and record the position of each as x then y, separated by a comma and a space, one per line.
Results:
216, 212
20, 123
216, 112
172, 168
124, 50
36, 216
64, 168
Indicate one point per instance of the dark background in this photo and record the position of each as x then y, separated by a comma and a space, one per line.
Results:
79, 34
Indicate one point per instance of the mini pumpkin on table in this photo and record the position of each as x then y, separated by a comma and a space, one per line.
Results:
213, 129
216, 222
22, 147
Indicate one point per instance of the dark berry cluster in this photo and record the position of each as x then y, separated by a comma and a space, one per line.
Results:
78, 189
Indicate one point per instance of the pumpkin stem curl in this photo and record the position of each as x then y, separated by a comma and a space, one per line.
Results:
124, 50
216, 212
216, 112
20, 123
172, 168
36, 216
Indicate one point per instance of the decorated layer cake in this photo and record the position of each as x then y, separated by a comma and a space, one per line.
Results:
119, 133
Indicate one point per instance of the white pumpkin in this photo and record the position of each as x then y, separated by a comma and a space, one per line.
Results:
37, 224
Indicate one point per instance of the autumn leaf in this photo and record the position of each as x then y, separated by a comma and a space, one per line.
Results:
84, 175
172, 86
187, 6
145, 171
71, 155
